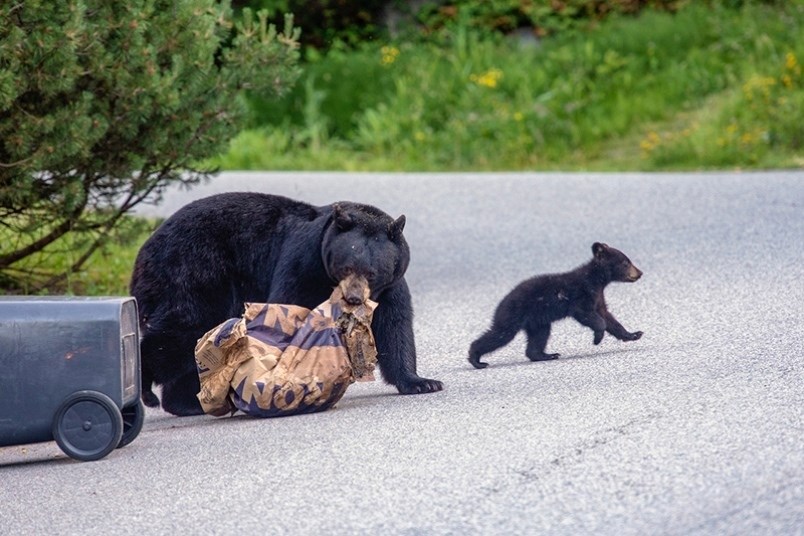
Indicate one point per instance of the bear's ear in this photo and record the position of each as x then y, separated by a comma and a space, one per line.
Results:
343, 220
598, 249
395, 229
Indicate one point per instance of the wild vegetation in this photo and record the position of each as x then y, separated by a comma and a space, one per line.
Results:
706, 86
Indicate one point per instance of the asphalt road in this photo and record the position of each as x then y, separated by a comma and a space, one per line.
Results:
697, 428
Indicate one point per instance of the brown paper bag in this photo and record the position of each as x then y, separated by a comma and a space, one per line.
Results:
285, 360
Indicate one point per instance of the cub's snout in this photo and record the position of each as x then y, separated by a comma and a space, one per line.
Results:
634, 273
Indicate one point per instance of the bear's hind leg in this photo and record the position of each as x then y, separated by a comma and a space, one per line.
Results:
537, 341
179, 396
147, 381
497, 336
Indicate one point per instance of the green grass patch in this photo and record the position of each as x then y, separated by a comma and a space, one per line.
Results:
614, 97
107, 272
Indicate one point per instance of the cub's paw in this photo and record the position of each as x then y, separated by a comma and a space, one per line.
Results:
477, 363
543, 357
598, 336
634, 336
417, 385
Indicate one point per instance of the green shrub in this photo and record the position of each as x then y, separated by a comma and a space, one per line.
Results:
103, 105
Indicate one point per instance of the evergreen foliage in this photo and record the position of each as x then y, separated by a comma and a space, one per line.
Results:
105, 104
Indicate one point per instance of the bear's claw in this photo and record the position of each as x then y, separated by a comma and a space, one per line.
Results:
419, 386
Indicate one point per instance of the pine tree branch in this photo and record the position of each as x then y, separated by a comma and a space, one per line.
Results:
57, 232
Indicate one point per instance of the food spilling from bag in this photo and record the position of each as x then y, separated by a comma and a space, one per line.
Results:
286, 360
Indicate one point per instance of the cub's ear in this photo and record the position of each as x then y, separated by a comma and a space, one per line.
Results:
599, 248
343, 220
395, 229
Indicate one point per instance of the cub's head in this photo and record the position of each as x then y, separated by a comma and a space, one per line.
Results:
618, 267
361, 240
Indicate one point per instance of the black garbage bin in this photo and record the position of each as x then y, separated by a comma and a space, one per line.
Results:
70, 371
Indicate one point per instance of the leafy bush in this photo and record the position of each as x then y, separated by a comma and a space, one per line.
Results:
104, 104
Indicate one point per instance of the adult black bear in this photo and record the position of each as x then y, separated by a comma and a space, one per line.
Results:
536, 303
211, 256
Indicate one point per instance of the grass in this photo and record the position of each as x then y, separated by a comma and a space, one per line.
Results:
662, 91
106, 273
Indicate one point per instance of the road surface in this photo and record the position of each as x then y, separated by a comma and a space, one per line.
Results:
697, 428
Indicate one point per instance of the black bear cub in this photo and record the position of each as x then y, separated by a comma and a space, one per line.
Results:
536, 303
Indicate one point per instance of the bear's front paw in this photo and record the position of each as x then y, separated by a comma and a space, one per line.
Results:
417, 385
598, 336
635, 336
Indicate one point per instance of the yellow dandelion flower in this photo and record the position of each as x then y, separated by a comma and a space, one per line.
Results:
650, 142
518, 116
790, 61
488, 79
389, 55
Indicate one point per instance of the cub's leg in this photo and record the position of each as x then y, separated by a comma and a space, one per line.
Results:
497, 336
593, 321
617, 330
506, 324
537, 341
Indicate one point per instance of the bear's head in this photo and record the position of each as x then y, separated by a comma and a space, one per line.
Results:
617, 266
362, 240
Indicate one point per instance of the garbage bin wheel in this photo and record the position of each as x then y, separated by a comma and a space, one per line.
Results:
88, 425
133, 419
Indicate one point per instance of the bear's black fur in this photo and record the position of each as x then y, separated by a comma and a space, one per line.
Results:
536, 303
211, 256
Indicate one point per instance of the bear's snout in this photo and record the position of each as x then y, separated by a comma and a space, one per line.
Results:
355, 289
353, 299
